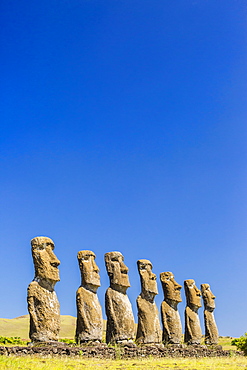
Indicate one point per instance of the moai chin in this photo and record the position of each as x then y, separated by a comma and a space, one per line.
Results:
148, 329
89, 324
193, 333
43, 305
120, 320
172, 328
211, 331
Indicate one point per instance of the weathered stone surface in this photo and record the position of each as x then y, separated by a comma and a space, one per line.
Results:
172, 328
211, 331
148, 329
193, 333
101, 351
120, 320
43, 305
89, 324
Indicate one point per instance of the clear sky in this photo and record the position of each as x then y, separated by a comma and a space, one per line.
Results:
123, 127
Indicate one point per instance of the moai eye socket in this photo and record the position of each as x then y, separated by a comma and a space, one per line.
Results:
115, 259
40, 247
48, 244
85, 258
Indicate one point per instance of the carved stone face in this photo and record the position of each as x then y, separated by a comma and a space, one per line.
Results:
170, 287
89, 269
193, 294
45, 262
208, 297
148, 278
116, 269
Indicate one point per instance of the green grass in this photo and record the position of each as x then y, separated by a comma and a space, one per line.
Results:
225, 342
33, 363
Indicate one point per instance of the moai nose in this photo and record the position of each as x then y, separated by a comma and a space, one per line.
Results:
123, 267
54, 260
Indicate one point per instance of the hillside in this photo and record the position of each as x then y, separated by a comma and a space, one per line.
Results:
19, 327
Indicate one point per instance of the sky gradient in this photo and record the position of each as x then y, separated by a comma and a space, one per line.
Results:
124, 128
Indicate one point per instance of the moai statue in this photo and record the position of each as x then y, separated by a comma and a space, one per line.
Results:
43, 305
120, 326
148, 329
211, 331
172, 328
89, 324
193, 333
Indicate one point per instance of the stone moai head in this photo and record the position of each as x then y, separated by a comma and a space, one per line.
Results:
170, 287
45, 262
117, 271
148, 279
193, 294
89, 270
208, 297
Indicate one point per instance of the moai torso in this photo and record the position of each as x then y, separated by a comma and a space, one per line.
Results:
43, 305
172, 328
44, 310
120, 320
211, 331
89, 324
148, 329
193, 333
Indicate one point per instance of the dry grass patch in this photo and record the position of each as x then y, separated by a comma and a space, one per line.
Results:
33, 363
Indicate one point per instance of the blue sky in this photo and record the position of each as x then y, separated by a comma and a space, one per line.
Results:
124, 128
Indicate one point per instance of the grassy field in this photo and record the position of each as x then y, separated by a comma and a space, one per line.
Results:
225, 342
31, 363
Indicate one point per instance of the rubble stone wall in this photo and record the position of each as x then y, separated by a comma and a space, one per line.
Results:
113, 352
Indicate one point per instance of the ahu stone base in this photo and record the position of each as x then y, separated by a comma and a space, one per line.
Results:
116, 352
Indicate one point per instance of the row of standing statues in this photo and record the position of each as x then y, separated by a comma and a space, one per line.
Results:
43, 305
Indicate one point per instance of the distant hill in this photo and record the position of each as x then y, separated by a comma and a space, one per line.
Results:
19, 327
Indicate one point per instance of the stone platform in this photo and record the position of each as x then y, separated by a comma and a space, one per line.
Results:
116, 352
